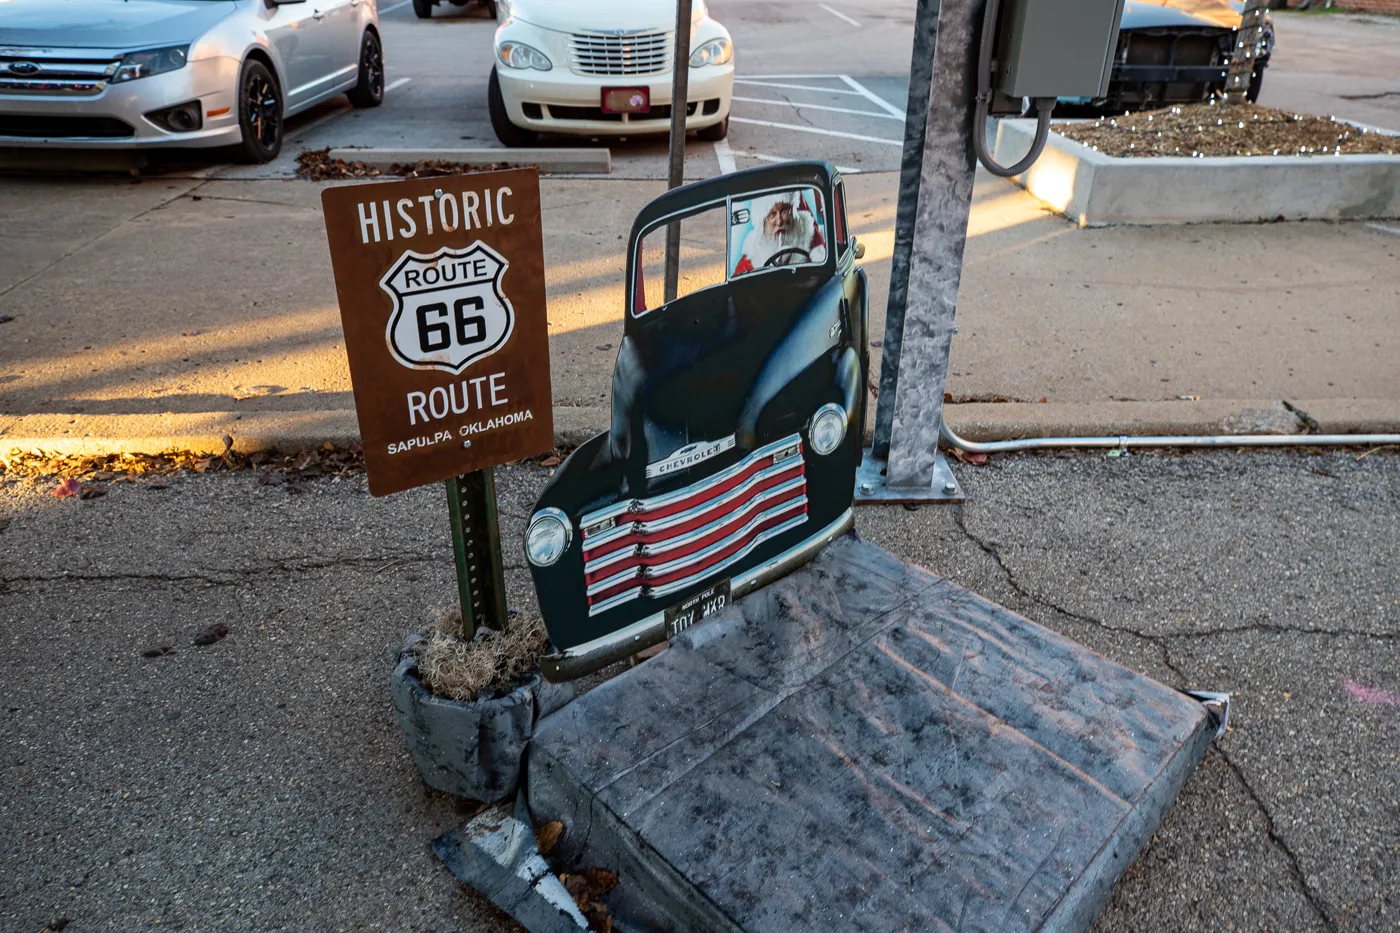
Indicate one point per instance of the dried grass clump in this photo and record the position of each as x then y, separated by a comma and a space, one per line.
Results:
490, 665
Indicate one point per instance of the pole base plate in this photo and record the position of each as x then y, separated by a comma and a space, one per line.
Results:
871, 488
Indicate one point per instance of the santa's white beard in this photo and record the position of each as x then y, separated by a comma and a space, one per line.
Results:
760, 246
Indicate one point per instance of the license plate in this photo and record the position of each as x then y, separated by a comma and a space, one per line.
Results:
685, 614
626, 99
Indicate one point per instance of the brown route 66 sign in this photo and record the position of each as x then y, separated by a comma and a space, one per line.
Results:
441, 289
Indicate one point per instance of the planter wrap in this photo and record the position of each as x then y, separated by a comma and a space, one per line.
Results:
471, 748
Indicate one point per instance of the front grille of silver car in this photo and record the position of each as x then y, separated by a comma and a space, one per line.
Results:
641, 53
66, 77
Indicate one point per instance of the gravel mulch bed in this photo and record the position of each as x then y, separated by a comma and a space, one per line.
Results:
1215, 129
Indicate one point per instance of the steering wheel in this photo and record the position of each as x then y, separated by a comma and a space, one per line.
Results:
783, 253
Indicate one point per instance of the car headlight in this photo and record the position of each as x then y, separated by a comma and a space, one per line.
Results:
519, 55
548, 537
150, 62
714, 52
828, 428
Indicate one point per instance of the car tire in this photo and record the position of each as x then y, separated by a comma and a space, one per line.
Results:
259, 113
1256, 82
490, 8
506, 131
369, 91
713, 134
423, 9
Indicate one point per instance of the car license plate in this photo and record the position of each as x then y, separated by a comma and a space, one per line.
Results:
685, 614
626, 99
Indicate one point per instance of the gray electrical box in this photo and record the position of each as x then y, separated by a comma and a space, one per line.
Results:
1056, 48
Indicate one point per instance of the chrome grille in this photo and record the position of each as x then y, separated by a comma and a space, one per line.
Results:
658, 546
68, 77
642, 53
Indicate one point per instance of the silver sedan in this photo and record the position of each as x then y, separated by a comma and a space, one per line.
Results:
180, 73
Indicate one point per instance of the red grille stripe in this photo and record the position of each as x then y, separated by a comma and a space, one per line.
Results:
718, 533
646, 512
699, 567
700, 520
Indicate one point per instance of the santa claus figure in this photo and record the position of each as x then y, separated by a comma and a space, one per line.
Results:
785, 233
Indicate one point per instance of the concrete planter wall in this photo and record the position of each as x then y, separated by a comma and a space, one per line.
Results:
1094, 189
473, 749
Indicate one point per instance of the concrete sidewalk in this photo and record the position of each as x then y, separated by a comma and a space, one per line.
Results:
261, 784
169, 313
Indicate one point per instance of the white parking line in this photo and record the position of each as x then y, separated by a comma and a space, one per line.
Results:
390, 9
399, 83
820, 132
838, 14
763, 157
794, 105
725, 155
1381, 227
778, 77
871, 96
802, 87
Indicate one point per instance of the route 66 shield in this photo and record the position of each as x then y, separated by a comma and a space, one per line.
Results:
449, 310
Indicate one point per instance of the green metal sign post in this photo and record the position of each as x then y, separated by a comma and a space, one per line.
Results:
476, 545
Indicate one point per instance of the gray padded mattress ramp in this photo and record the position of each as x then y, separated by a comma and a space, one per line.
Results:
864, 745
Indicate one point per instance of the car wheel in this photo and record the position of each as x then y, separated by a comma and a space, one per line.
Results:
259, 113
369, 92
506, 131
1256, 83
423, 9
714, 133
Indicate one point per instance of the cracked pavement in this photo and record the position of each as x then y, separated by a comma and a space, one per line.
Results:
260, 783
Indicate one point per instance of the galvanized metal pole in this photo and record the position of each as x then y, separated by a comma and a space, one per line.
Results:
939, 234
476, 546
1247, 39
915, 119
680, 90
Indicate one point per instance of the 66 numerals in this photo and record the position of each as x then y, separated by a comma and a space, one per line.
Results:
463, 326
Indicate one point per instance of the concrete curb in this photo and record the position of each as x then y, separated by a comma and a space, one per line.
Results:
1096, 190
593, 160
204, 432
289, 432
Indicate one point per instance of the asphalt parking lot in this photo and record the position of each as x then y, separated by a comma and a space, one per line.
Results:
792, 97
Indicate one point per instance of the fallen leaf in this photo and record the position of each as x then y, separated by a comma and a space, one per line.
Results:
6, 318
158, 652
210, 634
4, 523
963, 456
579, 889
204, 465
547, 836
69, 487
600, 880
271, 478
93, 492
550, 461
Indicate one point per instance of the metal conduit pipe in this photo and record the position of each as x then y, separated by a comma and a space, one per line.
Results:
1188, 440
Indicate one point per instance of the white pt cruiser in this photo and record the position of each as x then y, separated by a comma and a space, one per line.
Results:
603, 68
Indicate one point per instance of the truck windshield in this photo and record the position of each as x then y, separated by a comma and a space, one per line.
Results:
729, 239
782, 228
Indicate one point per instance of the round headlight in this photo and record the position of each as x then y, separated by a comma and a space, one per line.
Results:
548, 537
828, 428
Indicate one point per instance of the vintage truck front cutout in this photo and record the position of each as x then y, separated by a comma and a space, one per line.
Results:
737, 414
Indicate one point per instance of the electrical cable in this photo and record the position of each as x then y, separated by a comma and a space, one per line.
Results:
1043, 105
